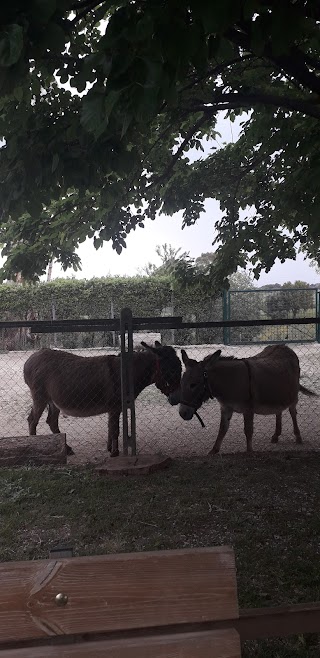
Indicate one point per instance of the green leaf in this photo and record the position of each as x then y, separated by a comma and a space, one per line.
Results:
18, 93
63, 76
79, 82
97, 242
226, 49
55, 162
258, 37
125, 125
11, 44
154, 70
144, 28
43, 9
55, 38
93, 117
111, 99
218, 15
250, 7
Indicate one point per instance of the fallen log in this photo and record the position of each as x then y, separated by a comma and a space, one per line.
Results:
35, 450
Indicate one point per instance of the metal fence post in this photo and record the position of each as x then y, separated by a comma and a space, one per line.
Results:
127, 385
317, 315
226, 315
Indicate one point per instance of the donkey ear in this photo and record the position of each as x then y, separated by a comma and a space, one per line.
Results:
157, 344
146, 346
155, 350
185, 357
187, 362
213, 358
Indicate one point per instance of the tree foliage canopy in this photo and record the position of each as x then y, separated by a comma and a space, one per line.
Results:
181, 269
150, 81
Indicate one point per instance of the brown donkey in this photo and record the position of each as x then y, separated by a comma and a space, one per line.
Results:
88, 386
264, 384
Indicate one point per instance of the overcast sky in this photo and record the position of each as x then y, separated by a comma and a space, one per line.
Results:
196, 239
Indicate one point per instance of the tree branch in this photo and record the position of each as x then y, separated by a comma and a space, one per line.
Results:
293, 65
83, 4
191, 132
224, 101
217, 70
315, 63
89, 5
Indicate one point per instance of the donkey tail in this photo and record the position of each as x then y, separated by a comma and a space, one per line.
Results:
306, 391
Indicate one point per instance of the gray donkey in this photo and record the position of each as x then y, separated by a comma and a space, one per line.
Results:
265, 384
85, 386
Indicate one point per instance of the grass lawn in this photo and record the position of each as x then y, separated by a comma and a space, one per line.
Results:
267, 507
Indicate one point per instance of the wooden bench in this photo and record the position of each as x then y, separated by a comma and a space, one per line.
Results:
166, 604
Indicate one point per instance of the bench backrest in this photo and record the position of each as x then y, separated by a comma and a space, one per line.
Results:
130, 605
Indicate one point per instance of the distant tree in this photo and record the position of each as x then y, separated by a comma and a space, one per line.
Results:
203, 262
169, 256
271, 286
241, 280
290, 301
172, 258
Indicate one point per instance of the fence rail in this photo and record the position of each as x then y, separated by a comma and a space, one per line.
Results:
59, 326
99, 324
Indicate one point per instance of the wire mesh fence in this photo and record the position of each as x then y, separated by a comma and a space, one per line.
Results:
91, 388
291, 303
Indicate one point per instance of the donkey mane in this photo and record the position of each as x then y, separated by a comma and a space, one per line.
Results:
221, 358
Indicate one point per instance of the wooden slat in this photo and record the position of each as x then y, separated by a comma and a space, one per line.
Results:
117, 592
215, 644
280, 621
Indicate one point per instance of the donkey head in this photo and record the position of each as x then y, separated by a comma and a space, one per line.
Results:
168, 368
194, 388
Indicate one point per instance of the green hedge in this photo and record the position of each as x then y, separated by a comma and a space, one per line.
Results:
68, 299
85, 298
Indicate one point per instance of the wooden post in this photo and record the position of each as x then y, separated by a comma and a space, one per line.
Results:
127, 386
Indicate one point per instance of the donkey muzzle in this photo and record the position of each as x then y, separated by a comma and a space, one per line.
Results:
174, 398
186, 412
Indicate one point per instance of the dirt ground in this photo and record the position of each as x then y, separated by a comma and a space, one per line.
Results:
159, 426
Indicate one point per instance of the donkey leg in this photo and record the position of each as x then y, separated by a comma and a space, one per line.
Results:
226, 415
293, 414
248, 428
52, 418
52, 421
35, 414
278, 429
113, 433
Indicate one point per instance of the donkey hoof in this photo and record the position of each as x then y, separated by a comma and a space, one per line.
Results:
212, 452
275, 439
114, 453
69, 450
299, 440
